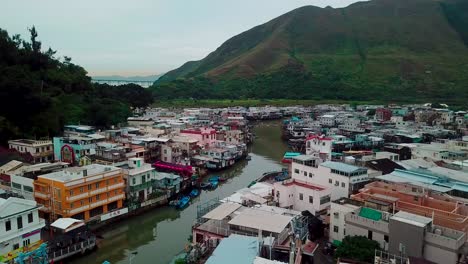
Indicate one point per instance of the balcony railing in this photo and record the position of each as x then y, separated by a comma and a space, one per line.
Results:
42, 195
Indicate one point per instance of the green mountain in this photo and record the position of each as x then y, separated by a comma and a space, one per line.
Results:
382, 49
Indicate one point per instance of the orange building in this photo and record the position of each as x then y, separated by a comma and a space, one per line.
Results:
445, 210
80, 192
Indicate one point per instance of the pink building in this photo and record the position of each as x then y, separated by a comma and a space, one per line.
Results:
206, 136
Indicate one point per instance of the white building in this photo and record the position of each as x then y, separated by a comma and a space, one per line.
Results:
352, 125
320, 145
432, 151
301, 192
40, 150
140, 176
327, 120
20, 226
338, 210
342, 179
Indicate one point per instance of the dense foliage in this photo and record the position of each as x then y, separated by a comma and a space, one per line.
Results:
40, 93
357, 248
413, 50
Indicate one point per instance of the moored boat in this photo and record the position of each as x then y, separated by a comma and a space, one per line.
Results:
183, 202
205, 185
194, 193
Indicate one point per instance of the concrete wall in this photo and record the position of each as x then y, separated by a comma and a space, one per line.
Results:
360, 226
439, 255
337, 218
411, 236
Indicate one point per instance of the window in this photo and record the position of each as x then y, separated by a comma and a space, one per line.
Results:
81, 189
26, 242
97, 197
335, 229
301, 196
115, 180
19, 222
296, 171
330, 181
343, 185
30, 218
15, 246
311, 199
305, 173
310, 174
385, 238
89, 187
337, 183
97, 185
133, 181
71, 205
325, 199
71, 192
416, 198
90, 199
28, 188
82, 202
413, 189
16, 185
369, 234
8, 225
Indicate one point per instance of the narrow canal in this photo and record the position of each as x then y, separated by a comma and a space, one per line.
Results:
159, 235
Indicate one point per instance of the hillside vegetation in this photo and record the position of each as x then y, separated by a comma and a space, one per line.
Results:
388, 50
40, 93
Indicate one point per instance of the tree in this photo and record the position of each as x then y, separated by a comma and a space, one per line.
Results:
358, 248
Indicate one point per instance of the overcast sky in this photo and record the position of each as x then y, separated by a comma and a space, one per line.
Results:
141, 37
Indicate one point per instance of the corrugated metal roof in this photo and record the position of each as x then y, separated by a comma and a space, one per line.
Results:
223, 210
255, 218
235, 249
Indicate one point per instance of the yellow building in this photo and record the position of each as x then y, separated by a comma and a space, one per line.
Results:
80, 192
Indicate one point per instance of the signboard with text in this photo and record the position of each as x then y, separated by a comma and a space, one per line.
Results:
113, 214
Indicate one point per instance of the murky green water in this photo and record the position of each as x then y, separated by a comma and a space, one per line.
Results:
161, 234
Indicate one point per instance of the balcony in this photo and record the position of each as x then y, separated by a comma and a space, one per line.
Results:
77, 197
142, 186
45, 196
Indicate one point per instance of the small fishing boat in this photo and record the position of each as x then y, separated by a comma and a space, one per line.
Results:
214, 179
214, 184
183, 202
194, 193
205, 185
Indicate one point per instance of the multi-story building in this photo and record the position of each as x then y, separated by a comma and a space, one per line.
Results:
73, 148
141, 181
342, 179
20, 227
407, 234
301, 192
40, 150
327, 120
338, 209
22, 179
80, 192
320, 145
206, 137
383, 114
